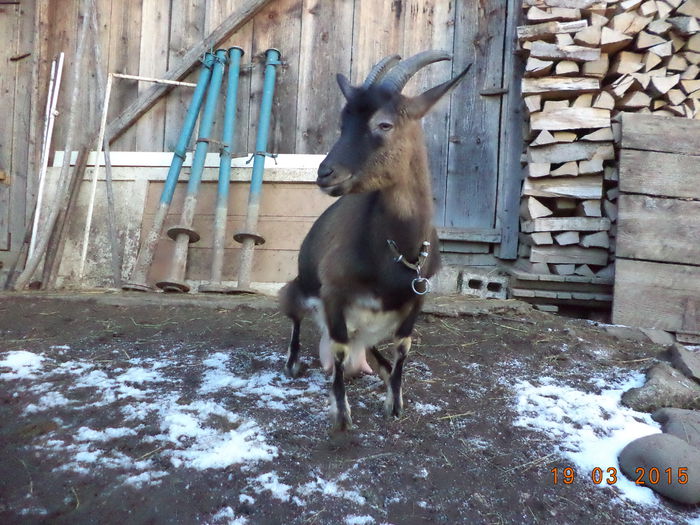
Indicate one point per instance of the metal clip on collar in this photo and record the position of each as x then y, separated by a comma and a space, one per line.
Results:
419, 281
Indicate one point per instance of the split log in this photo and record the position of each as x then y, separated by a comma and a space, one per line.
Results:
547, 51
570, 118
612, 41
590, 167
634, 100
554, 86
626, 62
604, 101
566, 169
597, 68
567, 238
531, 208
549, 29
582, 187
685, 25
596, 240
552, 224
629, 23
589, 208
589, 37
600, 135
568, 254
537, 68
567, 68
558, 153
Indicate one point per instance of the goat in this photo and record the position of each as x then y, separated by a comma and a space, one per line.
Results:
365, 263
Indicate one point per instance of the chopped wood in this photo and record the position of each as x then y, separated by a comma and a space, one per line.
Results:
620, 86
685, 25
675, 96
544, 138
612, 193
568, 254
661, 85
584, 270
564, 136
599, 135
537, 68
566, 169
557, 13
630, 5
552, 224
611, 173
617, 131
552, 86
564, 205
693, 44
538, 169
599, 20
536, 31
533, 103
610, 210
589, 208
634, 100
567, 68
690, 8
676, 63
612, 41
658, 27
540, 238
662, 50
581, 187
579, 150
648, 8
589, 37
629, 23
567, 238
662, 10
545, 50
658, 72
651, 60
597, 68
590, 167
691, 72
690, 86
570, 118
563, 39
658, 104
578, 4
626, 62
677, 42
563, 269
531, 208
646, 40
551, 105
596, 240
583, 101
677, 110
604, 101
692, 57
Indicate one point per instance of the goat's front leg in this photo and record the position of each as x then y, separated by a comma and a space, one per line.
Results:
340, 408
393, 406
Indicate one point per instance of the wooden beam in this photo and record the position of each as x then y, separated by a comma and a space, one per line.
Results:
235, 21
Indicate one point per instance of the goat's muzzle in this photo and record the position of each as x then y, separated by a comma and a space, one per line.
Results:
332, 181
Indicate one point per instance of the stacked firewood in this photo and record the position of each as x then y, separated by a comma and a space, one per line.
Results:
588, 61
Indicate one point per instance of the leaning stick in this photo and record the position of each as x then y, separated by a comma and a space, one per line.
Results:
63, 182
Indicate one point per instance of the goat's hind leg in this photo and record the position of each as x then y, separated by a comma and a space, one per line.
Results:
340, 408
393, 406
292, 305
292, 365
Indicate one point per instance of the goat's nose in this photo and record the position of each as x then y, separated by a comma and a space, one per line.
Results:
324, 171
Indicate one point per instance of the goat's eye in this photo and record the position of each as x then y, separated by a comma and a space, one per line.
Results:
385, 126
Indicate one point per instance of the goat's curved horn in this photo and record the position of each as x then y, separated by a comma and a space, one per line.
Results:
380, 69
397, 78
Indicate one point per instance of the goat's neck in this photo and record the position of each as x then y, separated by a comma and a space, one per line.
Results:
408, 206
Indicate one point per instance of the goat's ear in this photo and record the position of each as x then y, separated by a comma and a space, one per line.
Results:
345, 86
417, 107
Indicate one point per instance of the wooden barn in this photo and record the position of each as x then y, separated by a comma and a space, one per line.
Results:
528, 156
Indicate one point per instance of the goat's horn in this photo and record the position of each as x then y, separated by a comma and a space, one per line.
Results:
380, 69
397, 78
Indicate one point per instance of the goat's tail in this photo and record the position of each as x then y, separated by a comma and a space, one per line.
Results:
291, 300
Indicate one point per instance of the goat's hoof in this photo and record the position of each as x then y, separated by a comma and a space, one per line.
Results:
342, 422
293, 371
393, 410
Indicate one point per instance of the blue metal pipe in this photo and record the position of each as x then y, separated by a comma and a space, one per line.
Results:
148, 247
183, 234
221, 214
248, 237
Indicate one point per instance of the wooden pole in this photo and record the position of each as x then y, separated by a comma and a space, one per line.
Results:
64, 179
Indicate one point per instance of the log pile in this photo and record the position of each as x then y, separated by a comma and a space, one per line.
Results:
587, 62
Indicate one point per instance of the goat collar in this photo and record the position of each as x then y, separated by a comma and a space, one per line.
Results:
420, 285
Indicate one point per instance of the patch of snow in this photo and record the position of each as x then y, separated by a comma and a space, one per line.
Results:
23, 365
425, 408
359, 520
270, 482
228, 516
588, 429
245, 498
330, 488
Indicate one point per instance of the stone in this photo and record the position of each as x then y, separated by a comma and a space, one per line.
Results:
627, 333
662, 452
684, 424
686, 361
660, 337
665, 387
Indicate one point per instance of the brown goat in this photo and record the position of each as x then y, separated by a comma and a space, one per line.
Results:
365, 264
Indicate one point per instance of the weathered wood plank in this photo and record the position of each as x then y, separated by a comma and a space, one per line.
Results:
155, 28
658, 229
656, 295
277, 26
570, 118
665, 134
663, 174
511, 140
189, 60
559, 86
551, 224
124, 53
8, 70
326, 34
482, 235
430, 25
474, 132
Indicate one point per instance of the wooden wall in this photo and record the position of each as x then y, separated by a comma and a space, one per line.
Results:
317, 39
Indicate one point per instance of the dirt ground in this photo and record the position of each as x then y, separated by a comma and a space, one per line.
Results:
139, 410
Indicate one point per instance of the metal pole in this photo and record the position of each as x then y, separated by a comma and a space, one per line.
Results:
215, 286
183, 234
148, 247
248, 237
